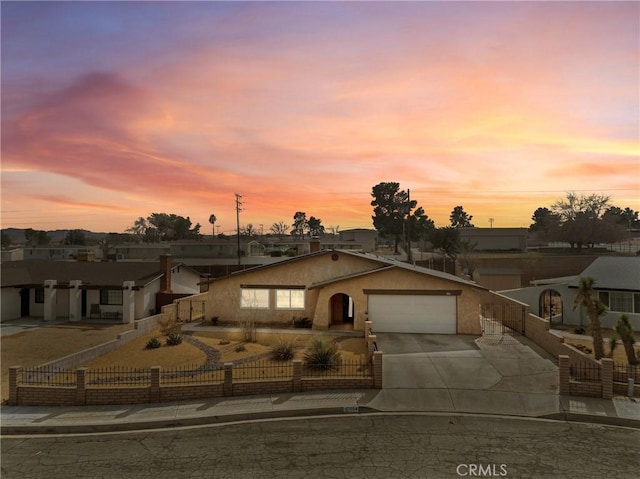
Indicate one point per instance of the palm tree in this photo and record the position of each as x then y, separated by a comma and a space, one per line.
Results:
212, 220
625, 331
586, 297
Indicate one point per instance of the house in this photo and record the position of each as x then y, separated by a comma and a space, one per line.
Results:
365, 238
617, 283
495, 239
93, 290
343, 289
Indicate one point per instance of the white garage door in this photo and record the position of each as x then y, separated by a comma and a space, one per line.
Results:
400, 313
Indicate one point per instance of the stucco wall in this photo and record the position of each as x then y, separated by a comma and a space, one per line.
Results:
224, 294
10, 304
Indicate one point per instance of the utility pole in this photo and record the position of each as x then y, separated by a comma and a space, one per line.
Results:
491, 223
238, 210
409, 225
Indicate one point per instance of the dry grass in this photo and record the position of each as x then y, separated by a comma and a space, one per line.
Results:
39, 346
135, 355
619, 356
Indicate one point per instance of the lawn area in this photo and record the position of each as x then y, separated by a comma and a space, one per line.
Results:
39, 346
135, 355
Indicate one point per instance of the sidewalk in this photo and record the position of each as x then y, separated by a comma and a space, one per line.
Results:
67, 420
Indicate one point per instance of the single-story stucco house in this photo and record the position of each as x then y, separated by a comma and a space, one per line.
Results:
343, 289
617, 283
92, 289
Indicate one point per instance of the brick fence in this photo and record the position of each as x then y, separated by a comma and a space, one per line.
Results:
601, 380
75, 389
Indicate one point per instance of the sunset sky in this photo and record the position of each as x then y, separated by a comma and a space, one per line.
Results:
115, 110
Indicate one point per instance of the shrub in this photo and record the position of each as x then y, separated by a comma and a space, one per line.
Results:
301, 322
283, 349
240, 347
174, 339
214, 320
276, 253
153, 343
322, 354
223, 342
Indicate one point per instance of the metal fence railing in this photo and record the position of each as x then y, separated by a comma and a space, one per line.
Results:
346, 369
261, 370
48, 376
118, 376
192, 375
586, 372
622, 372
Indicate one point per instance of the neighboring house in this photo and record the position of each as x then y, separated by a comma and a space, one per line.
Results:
617, 283
343, 289
496, 239
60, 252
364, 238
76, 289
497, 279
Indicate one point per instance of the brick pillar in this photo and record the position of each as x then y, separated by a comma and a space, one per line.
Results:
297, 375
367, 328
128, 302
81, 386
15, 376
370, 340
154, 392
165, 268
606, 375
563, 371
75, 300
228, 379
50, 299
377, 369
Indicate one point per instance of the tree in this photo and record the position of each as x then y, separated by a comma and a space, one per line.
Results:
546, 224
391, 207
212, 220
420, 225
6, 240
139, 229
110, 241
170, 227
447, 240
627, 218
625, 331
300, 224
248, 231
586, 297
36, 237
580, 218
280, 228
460, 219
75, 237
315, 228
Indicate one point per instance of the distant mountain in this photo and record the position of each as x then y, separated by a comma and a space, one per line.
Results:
57, 236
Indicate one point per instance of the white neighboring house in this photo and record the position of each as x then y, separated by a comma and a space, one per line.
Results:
121, 291
617, 283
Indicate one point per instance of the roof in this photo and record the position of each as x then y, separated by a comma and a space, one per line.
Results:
94, 273
383, 263
613, 272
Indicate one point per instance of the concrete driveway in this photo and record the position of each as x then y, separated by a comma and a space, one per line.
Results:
445, 372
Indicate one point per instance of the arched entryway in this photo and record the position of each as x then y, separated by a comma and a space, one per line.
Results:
341, 311
550, 306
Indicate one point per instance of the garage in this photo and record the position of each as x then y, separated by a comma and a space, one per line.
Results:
413, 313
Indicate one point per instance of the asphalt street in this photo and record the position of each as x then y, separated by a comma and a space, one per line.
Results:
359, 446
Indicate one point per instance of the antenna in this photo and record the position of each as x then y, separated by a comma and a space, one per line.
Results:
238, 210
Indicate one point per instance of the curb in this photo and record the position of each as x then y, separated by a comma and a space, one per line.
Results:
139, 426
593, 419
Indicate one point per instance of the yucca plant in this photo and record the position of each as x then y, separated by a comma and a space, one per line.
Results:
283, 349
153, 343
174, 339
322, 354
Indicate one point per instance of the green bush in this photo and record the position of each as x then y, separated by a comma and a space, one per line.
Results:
153, 343
174, 339
322, 354
276, 253
301, 322
283, 349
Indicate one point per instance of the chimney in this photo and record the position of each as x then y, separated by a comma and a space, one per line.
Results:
314, 244
165, 267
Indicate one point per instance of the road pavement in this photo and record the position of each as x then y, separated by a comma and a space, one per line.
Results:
357, 446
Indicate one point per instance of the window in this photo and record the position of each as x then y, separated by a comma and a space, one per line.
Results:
290, 299
110, 296
254, 298
39, 295
621, 302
